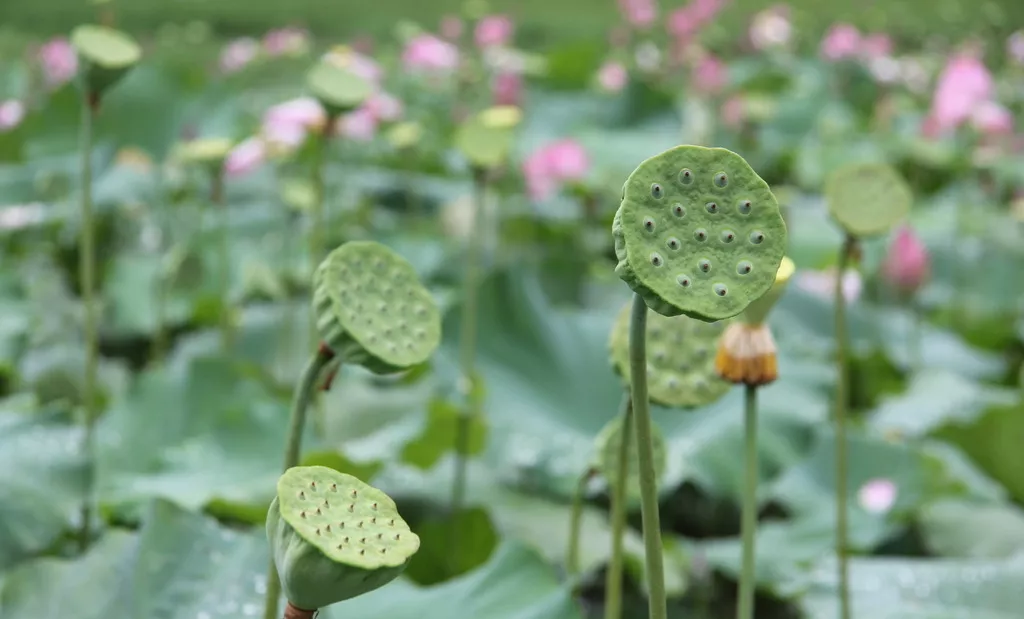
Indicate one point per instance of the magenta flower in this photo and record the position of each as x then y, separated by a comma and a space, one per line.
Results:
59, 62
612, 76
12, 112
963, 85
709, 75
451, 27
991, 118
428, 53
552, 165
688, 20
287, 124
877, 496
639, 13
842, 41
906, 264
289, 41
237, 54
245, 157
494, 31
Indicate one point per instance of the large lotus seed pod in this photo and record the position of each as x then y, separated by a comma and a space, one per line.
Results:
698, 233
757, 312
680, 358
105, 55
338, 89
334, 537
607, 456
371, 309
207, 152
867, 198
485, 139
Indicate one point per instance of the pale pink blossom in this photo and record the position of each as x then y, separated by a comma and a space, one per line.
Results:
822, 283
357, 64
12, 112
1015, 47
547, 168
451, 27
494, 31
733, 112
245, 157
771, 28
288, 41
842, 41
237, 54
963, 84
991, 118
639, 13
358, 125
687, 20
426, 52
877, 496
287, 124
612, 76
709, 75
59, 62
384, 107
507, 89
876, 45
907, 264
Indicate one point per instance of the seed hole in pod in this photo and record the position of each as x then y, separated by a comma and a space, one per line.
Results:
720, 289
398, 536
383, 550
656, 191
705, 265
648, 224
744, 267
341, 525
345, 540
328, 528
380, 536
700, 383
684, 280
673, 243
757, 237
302, 513
353, 494
744, 207
721, 180
362, 540
318, 531
685, 176
374, 506
700, 234
362, 552
656, 259
373, 520
673, 383
312, 485
678, 210
391, 523
360, 524
351, 507
326, 504
302, 495
334, 487
341, 547
712, 207
728, 236
660, 355
318, 512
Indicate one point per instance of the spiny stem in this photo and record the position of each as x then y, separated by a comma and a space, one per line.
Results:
227, 325
648, 484
613, 575
304, 392
840, 422
572, 553
745, 609
87, 276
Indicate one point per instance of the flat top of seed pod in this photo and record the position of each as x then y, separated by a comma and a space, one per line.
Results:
379, 301
105, 47
204, 150
867, 198
698, 233
680, 358
349, 521
607, 445
485, 139
337, 87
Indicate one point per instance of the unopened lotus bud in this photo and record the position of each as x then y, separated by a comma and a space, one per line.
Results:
907, 263
747, 355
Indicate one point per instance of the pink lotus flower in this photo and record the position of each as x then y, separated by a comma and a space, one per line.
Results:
688, 20
822, 283
639, 13
991, 118
963, 85
494, 31
59, 62
771, 28
12, 112
552, 165
384, 107
906, 264
287, 124
451, 27
356, 63
840, 42
507, 89
733, 112
427, 53
876, 45
237, 54
289, 41
245, 157
709, 75
612, 76
358, 125
877, 496
1015, 47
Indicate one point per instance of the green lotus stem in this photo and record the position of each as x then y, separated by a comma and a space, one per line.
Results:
572, 553
648, 483
316, 231
842, 386
160, 295
87, 277
227, 326
613, 575
916, 337
304, 392
745, 609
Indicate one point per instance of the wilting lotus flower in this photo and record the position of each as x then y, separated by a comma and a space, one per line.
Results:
507, 89
639, 13
771, 28
991, 118
245, 157
906, 264
709, 75
59, 62
426, 52
877, 496
12, 112
551, 165
964, 84
288, 41
842, 41
451, 27
612, 76
287, 124
237, 54
494, 31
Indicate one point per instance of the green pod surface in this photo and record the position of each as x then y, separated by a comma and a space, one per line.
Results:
105, 56
337, 89
371, 309
867, 199
698, 233
607, 457
334, 537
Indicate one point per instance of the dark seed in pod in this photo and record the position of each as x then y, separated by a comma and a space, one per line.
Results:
673, 243
656, 260
649, 224
685, 176
712, 207
678, 210
721, 180
756, 237
744, 207
656, 191
700, 234
683, 280
728, 236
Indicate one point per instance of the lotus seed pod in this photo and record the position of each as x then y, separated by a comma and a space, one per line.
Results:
867, 198
680, 358
209, 152
485, 139
371, 309
607, 456
757, 312
338, 89
334, 537
105, 56
747, 355
698, 233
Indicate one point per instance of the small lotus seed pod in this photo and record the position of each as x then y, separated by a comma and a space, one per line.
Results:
405, 135
680, 358
371, 309
757, 312
747, 355
338, 89
607, 456
206, 152
698, 233
867, 198
105, 56
485, 139
334, 537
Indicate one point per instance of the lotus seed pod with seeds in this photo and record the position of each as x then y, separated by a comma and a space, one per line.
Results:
372, 310
698, 233
338, 89
607, 457
680, 358
757, 312
486, 139
105, 56
867, 198
334, 537
747, 355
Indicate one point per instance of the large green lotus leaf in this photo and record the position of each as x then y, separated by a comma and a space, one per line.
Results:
993, 442
959, 528
42, 477
130, 289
